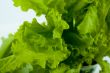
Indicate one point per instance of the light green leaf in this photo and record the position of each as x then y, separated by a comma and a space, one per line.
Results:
56, 23
90, 23
40, 6
6, 43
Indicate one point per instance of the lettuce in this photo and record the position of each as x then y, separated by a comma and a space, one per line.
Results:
77, 35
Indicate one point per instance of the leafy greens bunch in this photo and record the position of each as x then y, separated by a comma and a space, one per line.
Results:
77, 34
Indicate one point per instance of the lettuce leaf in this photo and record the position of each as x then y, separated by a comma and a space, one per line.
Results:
5, 48
75, 38
40, 6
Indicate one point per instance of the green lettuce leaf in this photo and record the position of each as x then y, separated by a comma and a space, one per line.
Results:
33, 44
76, 36
91, 22
40, 6
56, 22
5, 47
